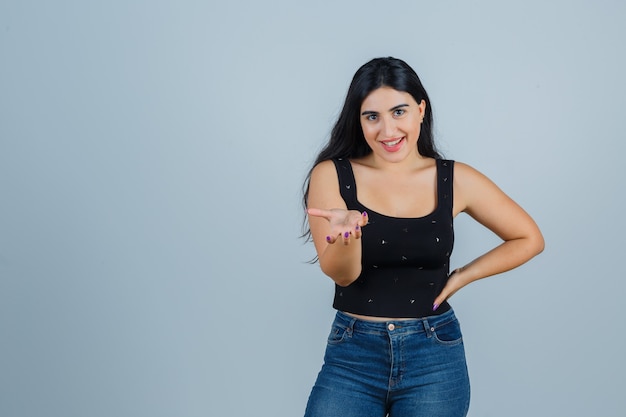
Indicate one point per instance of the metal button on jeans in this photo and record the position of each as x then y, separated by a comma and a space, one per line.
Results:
391, 327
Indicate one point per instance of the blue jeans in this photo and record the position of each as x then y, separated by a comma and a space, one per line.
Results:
402, 368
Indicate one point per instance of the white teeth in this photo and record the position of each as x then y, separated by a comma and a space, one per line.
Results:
392, 143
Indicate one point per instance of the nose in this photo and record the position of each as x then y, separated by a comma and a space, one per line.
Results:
389, 127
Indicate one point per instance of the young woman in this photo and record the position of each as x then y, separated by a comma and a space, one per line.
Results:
381, 202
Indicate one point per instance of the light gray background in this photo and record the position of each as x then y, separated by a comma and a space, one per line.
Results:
151, 159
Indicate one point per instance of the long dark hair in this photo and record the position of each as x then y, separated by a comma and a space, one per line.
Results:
347, 140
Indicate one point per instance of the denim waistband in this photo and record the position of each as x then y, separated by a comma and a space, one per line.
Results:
420, 325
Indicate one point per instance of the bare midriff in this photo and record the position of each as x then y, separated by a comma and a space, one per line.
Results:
377, 319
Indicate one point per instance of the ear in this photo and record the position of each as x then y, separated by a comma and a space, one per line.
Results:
421, 107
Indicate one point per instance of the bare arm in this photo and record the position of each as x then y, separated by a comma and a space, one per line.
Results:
330, 221
476, 195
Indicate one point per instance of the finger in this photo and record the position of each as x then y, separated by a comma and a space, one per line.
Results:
441, 298
331, 239
346, 238
364, 219
448, 291
438, 301
357, 232
319, 213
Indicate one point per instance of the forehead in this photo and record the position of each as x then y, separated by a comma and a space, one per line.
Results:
384, 98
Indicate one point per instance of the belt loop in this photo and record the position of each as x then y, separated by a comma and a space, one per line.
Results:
427, 328
350, 328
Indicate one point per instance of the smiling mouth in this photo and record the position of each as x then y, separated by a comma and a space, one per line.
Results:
392, 142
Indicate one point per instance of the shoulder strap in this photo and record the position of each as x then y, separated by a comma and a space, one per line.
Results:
445, 176
347, 184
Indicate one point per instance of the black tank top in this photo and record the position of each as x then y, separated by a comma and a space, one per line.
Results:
405, 261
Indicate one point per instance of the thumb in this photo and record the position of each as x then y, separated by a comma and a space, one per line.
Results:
319, 213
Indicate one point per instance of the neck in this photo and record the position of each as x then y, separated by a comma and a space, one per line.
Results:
410, 163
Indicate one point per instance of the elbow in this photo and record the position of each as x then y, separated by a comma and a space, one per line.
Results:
342, 277
344, 281
538, 243
541, 246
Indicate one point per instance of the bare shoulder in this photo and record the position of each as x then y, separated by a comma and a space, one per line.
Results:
466, 173
473, 189
469, 179
324, 176
324, 186
325, 170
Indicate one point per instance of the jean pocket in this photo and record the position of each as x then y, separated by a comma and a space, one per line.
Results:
337, 334
448, 333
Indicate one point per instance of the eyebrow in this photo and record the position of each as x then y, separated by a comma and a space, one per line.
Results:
368, 112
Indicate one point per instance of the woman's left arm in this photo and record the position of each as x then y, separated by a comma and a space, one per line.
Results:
479, 197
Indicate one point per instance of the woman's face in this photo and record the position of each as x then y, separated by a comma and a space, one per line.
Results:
391, 122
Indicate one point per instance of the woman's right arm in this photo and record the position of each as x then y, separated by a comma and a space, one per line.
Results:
335, 230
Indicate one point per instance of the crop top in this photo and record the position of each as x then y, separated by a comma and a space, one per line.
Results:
405, 261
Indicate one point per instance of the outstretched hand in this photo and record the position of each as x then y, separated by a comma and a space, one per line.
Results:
344, 224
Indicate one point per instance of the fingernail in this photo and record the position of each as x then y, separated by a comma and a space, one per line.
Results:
365, 213
435, 306
346, 235
357, 227
327, 238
